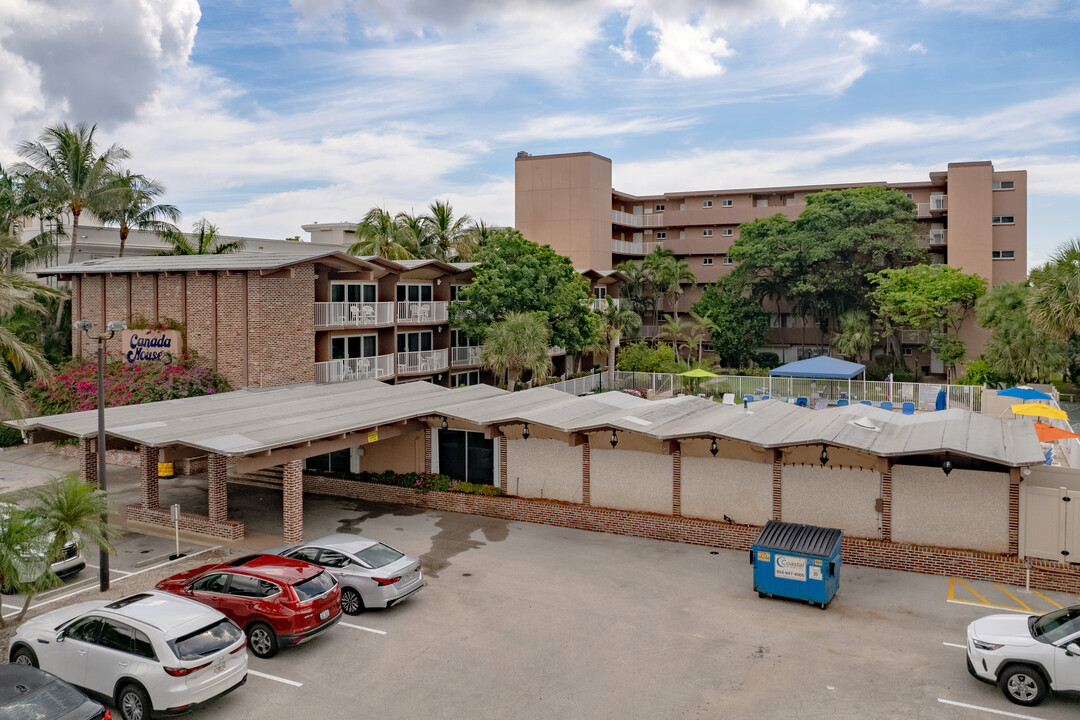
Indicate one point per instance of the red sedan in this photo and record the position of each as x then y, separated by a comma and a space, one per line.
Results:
278, 601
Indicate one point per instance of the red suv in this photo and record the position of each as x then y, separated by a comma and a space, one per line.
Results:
277, 600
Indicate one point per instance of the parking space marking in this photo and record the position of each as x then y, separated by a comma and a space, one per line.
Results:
111, 569
987, 710
1020, 607
1019, 602
361, 627
955, 645
1046, 599
256, 673
13, 607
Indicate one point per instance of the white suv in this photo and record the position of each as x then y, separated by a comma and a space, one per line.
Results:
150, 654
1027, 656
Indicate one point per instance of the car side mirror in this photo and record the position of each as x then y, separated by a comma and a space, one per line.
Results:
60, 637
188, 590
1072, 648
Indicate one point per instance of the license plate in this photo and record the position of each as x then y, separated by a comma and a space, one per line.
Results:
220, 665
324, 614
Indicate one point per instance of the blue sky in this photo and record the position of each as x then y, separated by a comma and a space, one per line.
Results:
264, 115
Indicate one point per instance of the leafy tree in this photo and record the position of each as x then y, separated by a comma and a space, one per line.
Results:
447, 232
932, 298
134, 206
615, 320
23, 554
668, 274
380, 234
516, 344
1018, 351
856, 337
1054, 303
516, 275
637, 288
739, 324
698, 331
207, 240
65, 165
19, 297
674, 332
979, 372
642, 357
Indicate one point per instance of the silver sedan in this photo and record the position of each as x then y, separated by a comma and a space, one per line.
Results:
371, 574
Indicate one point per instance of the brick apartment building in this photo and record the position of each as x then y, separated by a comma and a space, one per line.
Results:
970, 217
268, 319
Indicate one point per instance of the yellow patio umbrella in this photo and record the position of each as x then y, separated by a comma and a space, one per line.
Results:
1040, 410
698, 374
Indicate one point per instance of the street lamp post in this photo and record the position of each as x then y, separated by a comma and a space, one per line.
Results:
113, 327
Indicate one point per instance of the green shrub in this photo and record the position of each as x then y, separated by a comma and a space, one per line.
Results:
767, 360
10, 436
476, 489
883, 365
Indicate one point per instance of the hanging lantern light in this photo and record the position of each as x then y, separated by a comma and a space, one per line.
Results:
444, 423
713, 449
824, 455
946, 464
525, 432
614, 439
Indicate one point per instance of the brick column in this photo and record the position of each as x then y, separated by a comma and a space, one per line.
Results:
427, 450
586, 461
886, 500
148, 477
676, 480
87, 462
777, 484
1015, 478
293, 492
502, 463
217, 488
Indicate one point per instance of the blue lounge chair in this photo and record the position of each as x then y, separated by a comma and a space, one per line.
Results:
841, 403
865, 402
801, 402
748, 398
766, 397
886, 405
908, 408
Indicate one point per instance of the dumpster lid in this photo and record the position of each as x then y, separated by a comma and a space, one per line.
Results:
793, 537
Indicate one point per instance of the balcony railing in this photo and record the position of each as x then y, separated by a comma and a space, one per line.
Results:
466, 356
423, 361
914, 337
556, 350
938, 203
422, 312
649, 331
368, 368
939, 237
353, 314
631, 248
634, 220
601, 304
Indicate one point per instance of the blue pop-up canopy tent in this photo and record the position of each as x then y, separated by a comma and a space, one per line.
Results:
822, 367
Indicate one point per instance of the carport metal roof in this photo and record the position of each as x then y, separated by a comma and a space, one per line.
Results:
251, 422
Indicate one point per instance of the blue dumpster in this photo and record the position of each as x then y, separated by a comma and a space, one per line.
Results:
797, 561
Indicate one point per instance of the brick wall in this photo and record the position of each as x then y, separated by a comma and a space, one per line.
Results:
142, 298
116, 308
1045, 575
231, 303
227, 529
170, 297
200, 316
281, 328
292, 481
148, 477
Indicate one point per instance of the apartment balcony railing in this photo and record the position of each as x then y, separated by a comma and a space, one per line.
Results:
353, 314
914, 337
938, 203
634, 220
368, 368
423, 361
939, 237
556, 350
466, 356
601, 304
631, 248
422, 312
649, 331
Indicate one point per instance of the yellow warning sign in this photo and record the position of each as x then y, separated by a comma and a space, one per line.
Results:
762, 556
373, 436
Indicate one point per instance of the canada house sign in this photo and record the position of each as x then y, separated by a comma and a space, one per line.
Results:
145, 345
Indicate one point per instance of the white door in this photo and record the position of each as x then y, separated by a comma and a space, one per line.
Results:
937, 367
1066, 668
1050, 523
1071, 531
68, 660
110, 659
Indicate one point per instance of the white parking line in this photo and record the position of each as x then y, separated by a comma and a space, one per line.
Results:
256, 673
993, 607
13, 607
361, 627
962, 647
988, 710
112, 569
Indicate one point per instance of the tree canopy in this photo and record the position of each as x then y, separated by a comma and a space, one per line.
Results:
518, 343
517, 275
1018, 351
739, 324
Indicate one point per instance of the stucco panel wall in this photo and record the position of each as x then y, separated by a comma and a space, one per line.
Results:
537, 468
402, 454
832, 497
630, 480
968, 509
715, 487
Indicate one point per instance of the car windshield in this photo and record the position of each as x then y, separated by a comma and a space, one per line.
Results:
1057, 625
53, 700
207, 641
312, 587
378, 555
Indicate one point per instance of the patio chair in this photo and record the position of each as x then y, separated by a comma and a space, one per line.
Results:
766, 397
728, 399
841, 403
363, 366
368, 314
908, 408
354, 313
865, 402
802, 402
821, 404
886, 405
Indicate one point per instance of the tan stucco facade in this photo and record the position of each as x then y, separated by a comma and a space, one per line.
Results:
832, 497
631, 480
967, 509
715, 487
539, 468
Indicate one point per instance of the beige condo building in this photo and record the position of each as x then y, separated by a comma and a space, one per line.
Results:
971, 217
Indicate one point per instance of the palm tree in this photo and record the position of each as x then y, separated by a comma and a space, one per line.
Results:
637, 287
20, 294
856, 337
134, 206
380, 235
206, 240
696, 333
668, 274
517, 343
615, 320
1054, 303
473, 239
24, 546
65, 163
674, 331
415, 236
448, 233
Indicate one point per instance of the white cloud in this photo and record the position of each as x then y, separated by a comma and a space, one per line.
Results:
573, 126
689, 51
864, 40
1026, 9
918, 48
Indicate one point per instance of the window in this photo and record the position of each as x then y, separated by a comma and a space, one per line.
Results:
321, 584
660, 208
706, 261
661, 235
414, 292
379, 555
706, 203
308, 554
247, 586
455, 290
337, 461
206, 641
727, 202
346, 347
789, 199
85, 629
334, 559
761, 201
707, 232
1003, 220
1004, 184
909, 196
783, 320
419, 341
1003, 254
466, 378
467, 456
727, 260
211, 583
727, 232
459, 339
907, 352
352, 292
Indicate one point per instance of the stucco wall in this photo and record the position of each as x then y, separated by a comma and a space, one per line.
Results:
403, 454
630, 480
539, 468
967, 509
832, 497
715, 487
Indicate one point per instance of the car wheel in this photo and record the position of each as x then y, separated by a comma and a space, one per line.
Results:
1023, 685
133, 703
351, 602
24, 656
262, 640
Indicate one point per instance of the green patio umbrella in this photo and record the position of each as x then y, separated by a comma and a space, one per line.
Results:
698, 374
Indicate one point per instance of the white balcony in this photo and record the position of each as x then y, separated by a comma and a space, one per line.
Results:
914, 337
556, 350
368, 368
939, 237
626, 219
424, 361
649, 331
601, 304
466, 356
422, 313
937, 204
632, 248
353, 314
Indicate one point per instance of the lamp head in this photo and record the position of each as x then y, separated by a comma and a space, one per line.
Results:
116, 326
824, 455
713, 449
946, 464
614, 439
525, 432
84, 325
444, 423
